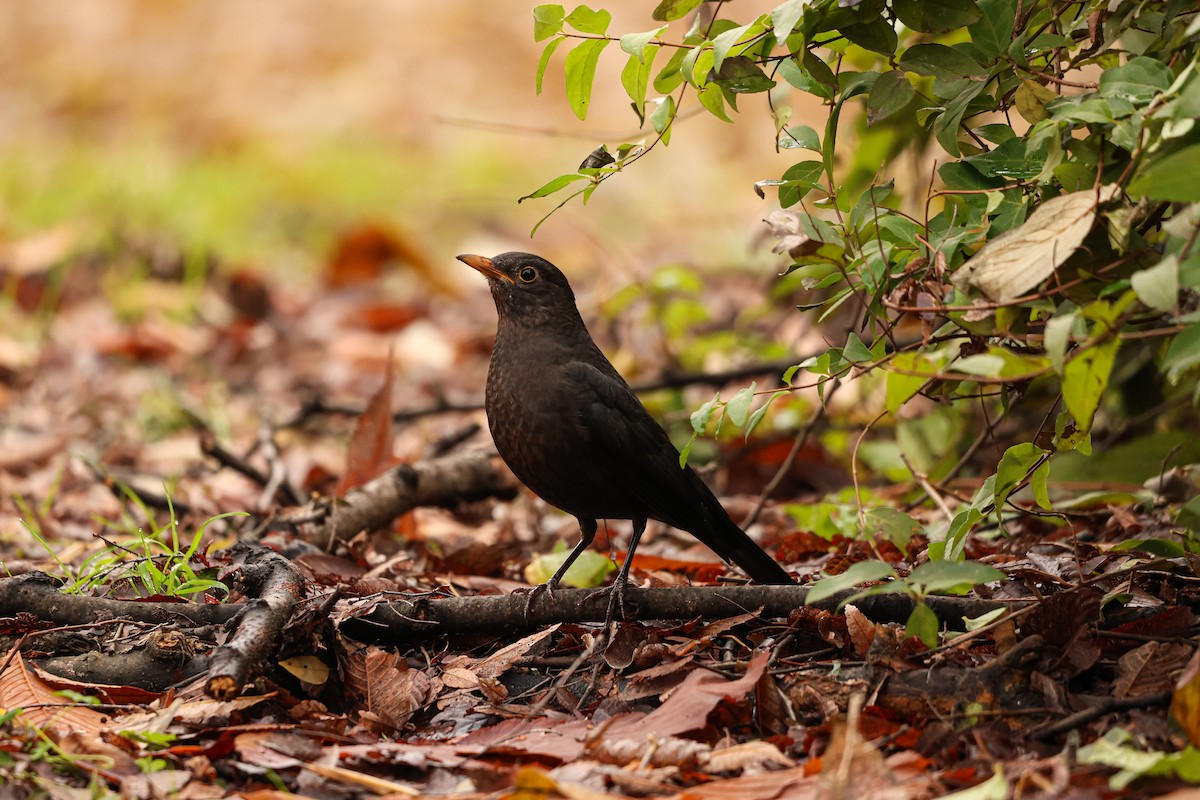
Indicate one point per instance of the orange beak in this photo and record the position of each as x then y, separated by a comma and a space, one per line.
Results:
485, 267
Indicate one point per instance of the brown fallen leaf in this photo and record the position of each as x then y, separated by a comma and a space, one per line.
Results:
21, 688
1150, 669
372, 443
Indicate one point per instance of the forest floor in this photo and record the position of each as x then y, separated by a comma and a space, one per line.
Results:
139, 410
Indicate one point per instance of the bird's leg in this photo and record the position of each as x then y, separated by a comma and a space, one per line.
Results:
587, 529
616, 600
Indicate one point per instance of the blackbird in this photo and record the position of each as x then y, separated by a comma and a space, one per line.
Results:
570, 428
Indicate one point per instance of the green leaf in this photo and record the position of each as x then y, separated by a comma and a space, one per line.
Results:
936, 16
956, 536
581, 71
940, 61
669, 78
662, 116
561, 182
1057, 338
803, 78
855, 351
798, 181
1182, 354
1010, 161
584, 20
876, 35
1031, 99
923, 624
696, 65
785, 17
1015, 465
891, 525
703, 414
945, 129
635, 78
858, 573
721, 45
1137, 81
547, 21
635, 43
544, 61
951, 577
1085, 377
1162, 548
583, 574
738, 408
711, 98
686, 451
1158, 286
993, 32
740, 75
1172, 178
891, 93
800, 136
901, 387
818, 69
761, 412
1000, 362
1189, 515
669, 10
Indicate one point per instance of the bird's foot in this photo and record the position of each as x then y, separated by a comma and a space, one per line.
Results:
616, 603
548, 588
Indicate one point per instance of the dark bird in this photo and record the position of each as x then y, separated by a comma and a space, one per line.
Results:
570, 428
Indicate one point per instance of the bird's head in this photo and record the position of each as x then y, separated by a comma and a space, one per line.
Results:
529, 291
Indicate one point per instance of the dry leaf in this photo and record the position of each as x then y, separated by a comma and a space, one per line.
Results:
1018, 260
390, 689
309, 669
371, 444
19, 688
756, 754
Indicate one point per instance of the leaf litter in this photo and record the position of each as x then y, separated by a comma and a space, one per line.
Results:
108, 406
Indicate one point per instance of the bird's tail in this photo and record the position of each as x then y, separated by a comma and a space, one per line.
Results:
731, 543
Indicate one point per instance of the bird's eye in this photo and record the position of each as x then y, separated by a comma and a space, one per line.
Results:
527, 274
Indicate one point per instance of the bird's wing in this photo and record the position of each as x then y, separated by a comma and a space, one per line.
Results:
630, 447
634, 456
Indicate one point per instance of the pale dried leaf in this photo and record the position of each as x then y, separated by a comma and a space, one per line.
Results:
749, 755
652, 751
309, 669
1020, 259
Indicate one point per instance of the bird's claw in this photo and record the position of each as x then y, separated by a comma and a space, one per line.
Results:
616, 602
548, 588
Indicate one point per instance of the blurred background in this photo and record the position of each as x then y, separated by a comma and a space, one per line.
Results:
260, 132
214, 214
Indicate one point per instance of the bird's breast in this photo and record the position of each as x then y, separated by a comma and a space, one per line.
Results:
535, 418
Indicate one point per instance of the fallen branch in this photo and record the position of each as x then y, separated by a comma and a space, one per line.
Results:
277, 587
38, 594
401, 618
166, 660
1105, 705
446, 482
